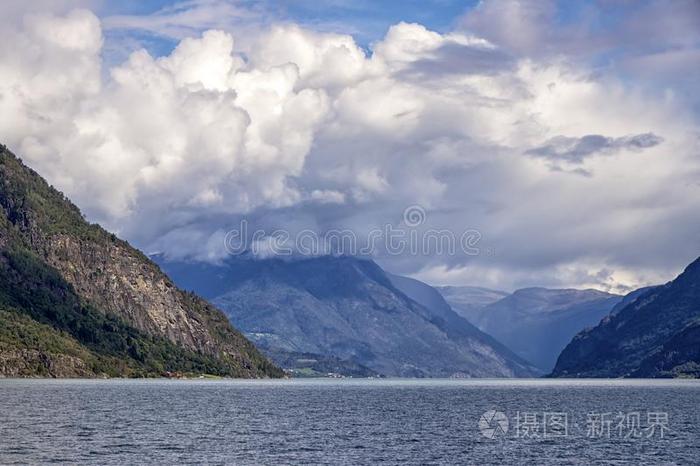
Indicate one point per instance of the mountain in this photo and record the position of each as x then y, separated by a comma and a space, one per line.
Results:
630, 297
470, 301
432, 299
678, 357
423, 294
537, 323
76, 301
346, 308
657, 334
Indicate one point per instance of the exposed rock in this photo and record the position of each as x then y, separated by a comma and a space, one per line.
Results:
31, 363
117, 281
347, 308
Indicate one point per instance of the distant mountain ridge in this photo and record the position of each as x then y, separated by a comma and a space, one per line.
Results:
350, 309
470, 301
536, 323
76, 301
656, 334
432, 299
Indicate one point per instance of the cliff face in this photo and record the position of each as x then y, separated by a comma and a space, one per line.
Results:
53, 259
654, 335
124, 284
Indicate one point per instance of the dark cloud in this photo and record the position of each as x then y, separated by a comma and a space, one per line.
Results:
576, 150
654, 43
459, 59
615, 29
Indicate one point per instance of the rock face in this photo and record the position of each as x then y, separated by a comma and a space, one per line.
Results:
76, 279
657, 334
537, 323
120, 282
349, 309
33, 363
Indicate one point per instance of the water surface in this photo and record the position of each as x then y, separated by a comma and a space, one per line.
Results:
349, 421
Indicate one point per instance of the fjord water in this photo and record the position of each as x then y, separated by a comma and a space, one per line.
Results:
350, 421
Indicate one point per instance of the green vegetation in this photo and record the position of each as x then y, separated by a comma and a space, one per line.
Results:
43, 313
19, 331
318, 365
27, 197
29, 286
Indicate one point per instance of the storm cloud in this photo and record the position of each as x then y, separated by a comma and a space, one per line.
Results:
576, 150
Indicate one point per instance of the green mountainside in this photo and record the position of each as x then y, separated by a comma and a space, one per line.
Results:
76, 301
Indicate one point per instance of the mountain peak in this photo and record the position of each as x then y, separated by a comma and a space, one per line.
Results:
348, 308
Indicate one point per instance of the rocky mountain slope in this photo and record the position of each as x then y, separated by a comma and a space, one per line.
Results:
537, 323
77, 301
348, 309
432, 299
657, 334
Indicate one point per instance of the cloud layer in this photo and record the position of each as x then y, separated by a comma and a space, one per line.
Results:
300, 129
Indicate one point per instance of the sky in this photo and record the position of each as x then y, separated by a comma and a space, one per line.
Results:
561, 137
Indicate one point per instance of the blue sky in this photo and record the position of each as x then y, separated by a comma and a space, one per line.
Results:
368, 20
602, 33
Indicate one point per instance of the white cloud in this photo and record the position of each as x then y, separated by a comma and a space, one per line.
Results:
306, 130
190, 129
323, 60
327, 196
